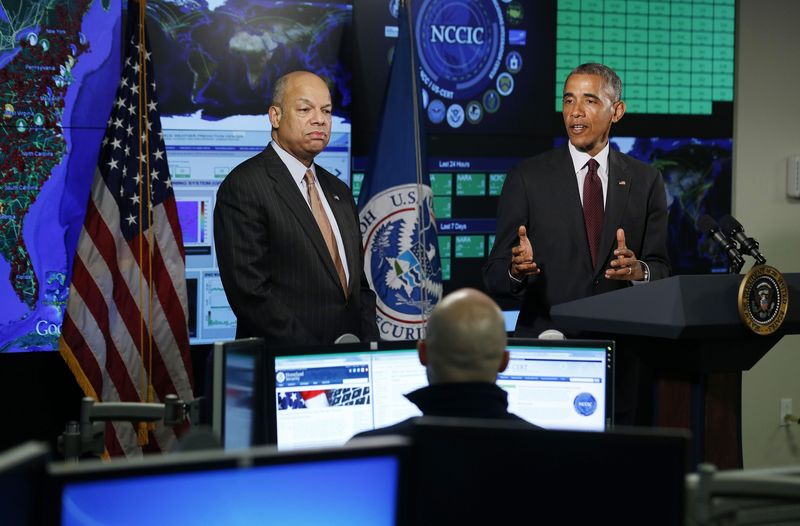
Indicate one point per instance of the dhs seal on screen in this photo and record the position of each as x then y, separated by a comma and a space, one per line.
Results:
401, 259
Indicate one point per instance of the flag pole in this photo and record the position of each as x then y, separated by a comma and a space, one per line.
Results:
401, 254
144, 111
144, 188
406, 4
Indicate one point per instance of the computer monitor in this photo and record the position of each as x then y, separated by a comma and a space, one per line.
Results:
470, 471
22, 471
561, 384
359, 484
237, 397
323, 395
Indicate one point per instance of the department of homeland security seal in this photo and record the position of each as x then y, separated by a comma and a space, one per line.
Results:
402, 259
763, 299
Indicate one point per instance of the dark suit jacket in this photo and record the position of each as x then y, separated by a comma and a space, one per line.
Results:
484, 400
542, 193
276, 270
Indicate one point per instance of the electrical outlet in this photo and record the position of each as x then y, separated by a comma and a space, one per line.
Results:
793, 177
786, 409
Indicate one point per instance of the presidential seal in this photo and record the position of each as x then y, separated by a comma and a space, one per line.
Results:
763, 299
401, 259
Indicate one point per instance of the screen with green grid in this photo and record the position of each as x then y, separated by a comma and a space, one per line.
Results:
672, 57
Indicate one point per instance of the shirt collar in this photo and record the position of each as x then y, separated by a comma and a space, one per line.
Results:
295, 167
579, 158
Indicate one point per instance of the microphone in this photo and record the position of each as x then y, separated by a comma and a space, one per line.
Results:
347, 337
735, 230
551, 334
708, 226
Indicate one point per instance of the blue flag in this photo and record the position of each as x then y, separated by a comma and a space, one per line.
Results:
398, 227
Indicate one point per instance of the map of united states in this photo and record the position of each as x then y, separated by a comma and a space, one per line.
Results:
57, 76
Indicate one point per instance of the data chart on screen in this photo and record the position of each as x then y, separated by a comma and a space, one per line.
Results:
672, 57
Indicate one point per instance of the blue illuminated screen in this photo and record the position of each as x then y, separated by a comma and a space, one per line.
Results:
355, 492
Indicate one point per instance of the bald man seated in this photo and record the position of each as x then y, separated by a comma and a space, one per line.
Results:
464, 349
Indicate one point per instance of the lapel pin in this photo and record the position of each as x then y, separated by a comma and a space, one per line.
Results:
621, 183
335, 197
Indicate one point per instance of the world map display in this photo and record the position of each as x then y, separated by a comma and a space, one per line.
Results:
219, 59
59, 66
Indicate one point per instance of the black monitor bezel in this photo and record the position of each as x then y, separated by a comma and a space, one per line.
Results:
60, 475
22, 482
580, 343
272, 352
222, 350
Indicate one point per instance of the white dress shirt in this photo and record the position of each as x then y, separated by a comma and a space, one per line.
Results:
579, 160
298, 173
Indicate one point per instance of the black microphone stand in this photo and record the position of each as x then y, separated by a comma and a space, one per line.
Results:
736, 265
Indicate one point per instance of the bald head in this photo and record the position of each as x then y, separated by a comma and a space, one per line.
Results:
289, 80
300, 115
465, 339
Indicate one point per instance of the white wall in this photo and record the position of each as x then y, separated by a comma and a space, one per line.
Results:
766, 133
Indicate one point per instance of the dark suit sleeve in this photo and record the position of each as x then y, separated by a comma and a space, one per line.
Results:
369, 327
241, 237
654, 242
512, 212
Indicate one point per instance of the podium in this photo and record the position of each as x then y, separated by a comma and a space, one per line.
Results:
687, 331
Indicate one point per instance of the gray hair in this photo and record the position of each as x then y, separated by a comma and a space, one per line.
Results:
278, 90
611, 81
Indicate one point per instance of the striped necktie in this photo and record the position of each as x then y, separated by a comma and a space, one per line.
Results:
325, 227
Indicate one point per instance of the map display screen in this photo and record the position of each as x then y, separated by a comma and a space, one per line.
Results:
59, 69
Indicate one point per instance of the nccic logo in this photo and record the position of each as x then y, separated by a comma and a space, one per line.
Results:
464, 63
460, 46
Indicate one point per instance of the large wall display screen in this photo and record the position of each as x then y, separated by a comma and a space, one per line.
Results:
59, 69
481, 63
673, 57
489, 71
216, 64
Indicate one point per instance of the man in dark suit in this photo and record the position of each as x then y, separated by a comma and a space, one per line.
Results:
286, 231
553, 245
463, 350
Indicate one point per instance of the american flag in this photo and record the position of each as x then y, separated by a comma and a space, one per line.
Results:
124, 335
290, 400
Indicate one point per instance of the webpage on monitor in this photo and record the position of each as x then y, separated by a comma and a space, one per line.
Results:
325, 400
558, 387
